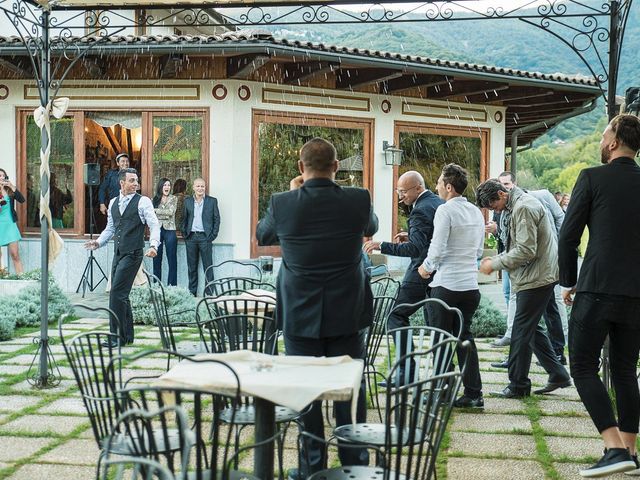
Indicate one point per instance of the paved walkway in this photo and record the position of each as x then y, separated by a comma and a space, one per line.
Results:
45, 434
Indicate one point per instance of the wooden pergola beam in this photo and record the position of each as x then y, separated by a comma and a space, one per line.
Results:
242, 66
513, 94
18, 66
413, 80
354, 78
296, 73
461, 88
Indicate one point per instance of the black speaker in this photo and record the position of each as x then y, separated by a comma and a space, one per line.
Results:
92, 174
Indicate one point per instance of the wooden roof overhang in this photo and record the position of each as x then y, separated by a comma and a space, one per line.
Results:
529, 98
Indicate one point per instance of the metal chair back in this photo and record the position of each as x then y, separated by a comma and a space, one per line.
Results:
230, 269
385, 287
133, 468
222, 286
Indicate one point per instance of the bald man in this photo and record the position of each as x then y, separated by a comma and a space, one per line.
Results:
413, 243
201, 222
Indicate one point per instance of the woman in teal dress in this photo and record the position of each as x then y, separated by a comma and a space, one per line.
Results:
9, 233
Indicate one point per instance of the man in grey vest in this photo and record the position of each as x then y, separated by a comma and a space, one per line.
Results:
127, 215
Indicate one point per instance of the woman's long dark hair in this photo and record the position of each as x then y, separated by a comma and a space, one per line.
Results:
180, 186
158, 197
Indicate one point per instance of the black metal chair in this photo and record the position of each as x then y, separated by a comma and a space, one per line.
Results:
210, 456
223, 286
148, 434
133, 468
381, 307
385, 287
416, 415
166, 325
243, 322
234, 274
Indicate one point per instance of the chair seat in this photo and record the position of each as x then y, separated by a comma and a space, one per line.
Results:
121, 443
372, 434
350, 473
233, 475
246, 415
189, 349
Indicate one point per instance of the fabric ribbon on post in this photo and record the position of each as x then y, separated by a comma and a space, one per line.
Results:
42, 115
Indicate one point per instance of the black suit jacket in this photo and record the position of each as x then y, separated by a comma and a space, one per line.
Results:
210, 217
420, 231
16, 197
322, 287
606, 199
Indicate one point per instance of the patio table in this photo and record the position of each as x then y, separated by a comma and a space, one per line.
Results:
290, 381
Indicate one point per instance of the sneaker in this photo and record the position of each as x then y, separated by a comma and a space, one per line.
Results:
614, 460
636, 472
468, 402
502, 342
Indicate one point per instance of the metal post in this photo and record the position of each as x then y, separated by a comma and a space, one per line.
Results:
614, 46
43, 376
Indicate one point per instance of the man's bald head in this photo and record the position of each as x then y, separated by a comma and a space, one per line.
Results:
410, 186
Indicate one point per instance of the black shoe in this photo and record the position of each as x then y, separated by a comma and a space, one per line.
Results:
110, 343
552, 386
508, 393
468, 402
503, 364
636, 472
614, 460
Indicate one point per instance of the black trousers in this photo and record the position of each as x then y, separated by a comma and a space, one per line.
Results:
198, 247
409, 292
123, 273
312, 458
593, 317
554, 326
467, 302
528, 336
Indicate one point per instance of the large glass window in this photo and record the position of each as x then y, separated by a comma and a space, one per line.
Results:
280, 138
61, 165
427, 150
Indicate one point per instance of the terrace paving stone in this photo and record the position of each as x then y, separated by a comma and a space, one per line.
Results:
582, 426
490, 423
11, 347
485, 469
574, 449
13, 403
43, 471
26, 387
16, 448
64, 405
515, 446
75, 452
12, 369
503, 405
563, 407
44, 424
28, 359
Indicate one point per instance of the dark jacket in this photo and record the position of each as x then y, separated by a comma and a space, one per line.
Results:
16, 197
420, 231
111, 185
210, 217
322, 287
605, 199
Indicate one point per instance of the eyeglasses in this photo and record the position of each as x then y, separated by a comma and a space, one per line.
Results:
402, 192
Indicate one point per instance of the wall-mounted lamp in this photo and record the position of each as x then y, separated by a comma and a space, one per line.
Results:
392, 155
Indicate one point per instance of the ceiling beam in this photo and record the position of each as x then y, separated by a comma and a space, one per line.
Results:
17, 66
513, 94
361, 77
556, 99
171, 64
242, 66
462, 88
297, 73
413, 80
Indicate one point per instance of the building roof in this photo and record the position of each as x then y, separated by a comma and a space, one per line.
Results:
530, 98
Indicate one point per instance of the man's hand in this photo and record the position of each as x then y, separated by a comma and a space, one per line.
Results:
567, 295
91, 245
296, 183
423, 272
491, 227
485, 266
401, 237
103, 209
152, 252
370, 246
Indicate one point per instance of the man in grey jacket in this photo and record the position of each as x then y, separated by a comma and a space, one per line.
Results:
532, 261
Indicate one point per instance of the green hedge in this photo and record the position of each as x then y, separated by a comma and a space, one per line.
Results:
178, 299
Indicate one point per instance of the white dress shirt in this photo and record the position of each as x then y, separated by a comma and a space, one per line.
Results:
457, 243
147, 216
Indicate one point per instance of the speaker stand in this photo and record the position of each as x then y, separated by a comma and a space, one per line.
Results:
87, 280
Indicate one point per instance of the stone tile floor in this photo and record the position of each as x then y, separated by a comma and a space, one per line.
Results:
46, 434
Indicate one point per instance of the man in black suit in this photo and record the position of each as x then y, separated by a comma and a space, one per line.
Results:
201, 222
324, 301
127, 216
413, 243
607, 292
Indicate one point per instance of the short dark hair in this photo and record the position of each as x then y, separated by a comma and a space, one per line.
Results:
180, 186
510, 174
627, 129
487, 192
456, 176
318, 155
122, 176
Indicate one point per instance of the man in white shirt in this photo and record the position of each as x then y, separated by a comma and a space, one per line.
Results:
458, 239
127, 216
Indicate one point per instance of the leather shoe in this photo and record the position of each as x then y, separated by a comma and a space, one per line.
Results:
508, 393
501, 342
552, 386
503, 364
110, 343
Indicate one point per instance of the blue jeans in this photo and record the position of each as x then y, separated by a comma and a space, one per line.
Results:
167, 238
